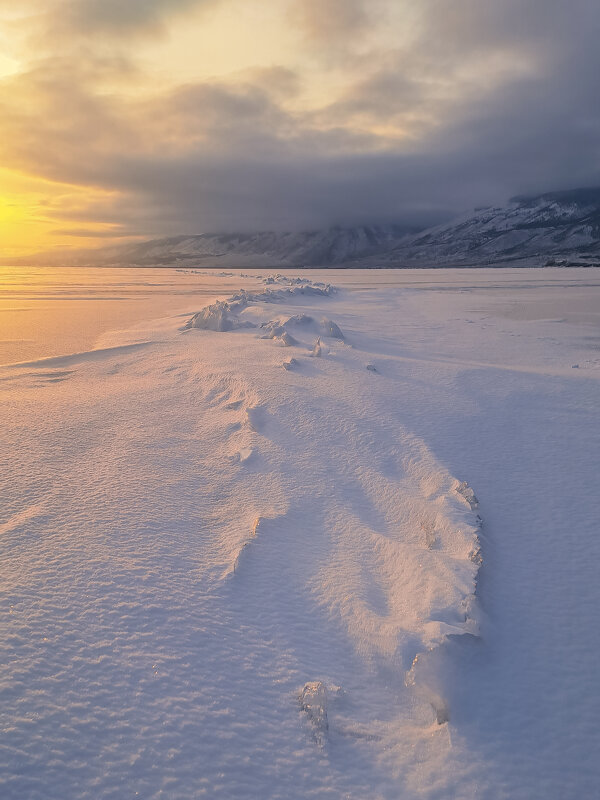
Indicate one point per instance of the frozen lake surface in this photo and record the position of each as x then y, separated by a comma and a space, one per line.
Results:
310, 542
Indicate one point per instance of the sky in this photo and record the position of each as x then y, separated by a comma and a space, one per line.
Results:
121, 121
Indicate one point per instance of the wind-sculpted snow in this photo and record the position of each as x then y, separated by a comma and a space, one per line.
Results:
405, 584
238, 566
394, 582
216, 317
299, 324
225, 315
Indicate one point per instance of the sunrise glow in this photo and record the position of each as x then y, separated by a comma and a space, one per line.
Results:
299, 391
121, 122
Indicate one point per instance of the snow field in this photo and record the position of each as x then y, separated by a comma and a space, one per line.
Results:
226, 578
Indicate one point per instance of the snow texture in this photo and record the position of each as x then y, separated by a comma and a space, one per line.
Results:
231, 570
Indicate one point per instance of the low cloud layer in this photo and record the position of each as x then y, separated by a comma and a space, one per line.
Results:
463, 103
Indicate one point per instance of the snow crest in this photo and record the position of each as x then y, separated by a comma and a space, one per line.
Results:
299, 547
399, 581
266, 586
224, 314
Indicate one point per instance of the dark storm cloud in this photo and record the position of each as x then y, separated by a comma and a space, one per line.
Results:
486, 100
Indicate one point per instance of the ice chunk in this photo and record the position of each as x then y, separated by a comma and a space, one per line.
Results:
331, 329
313, 701
465, 491
217, 317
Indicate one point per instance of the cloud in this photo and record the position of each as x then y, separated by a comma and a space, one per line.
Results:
122, 17
327, 20
91, 233
97, 18
477, 102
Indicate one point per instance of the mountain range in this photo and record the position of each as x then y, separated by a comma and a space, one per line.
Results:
556, 228
330, 247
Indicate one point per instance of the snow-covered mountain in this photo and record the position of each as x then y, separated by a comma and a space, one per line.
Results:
554, 228
559, 227
328, 247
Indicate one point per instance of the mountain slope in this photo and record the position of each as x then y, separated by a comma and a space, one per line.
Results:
332, 246
559, 227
